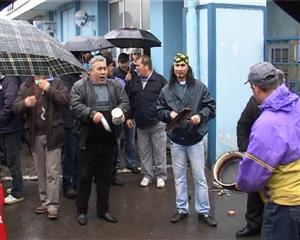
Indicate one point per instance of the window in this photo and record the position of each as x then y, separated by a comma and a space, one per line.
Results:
285, 55
129, 13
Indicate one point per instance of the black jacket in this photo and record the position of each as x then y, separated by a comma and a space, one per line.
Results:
248, 117
69, 81
83, 100
143, 102
9, 121
197, 98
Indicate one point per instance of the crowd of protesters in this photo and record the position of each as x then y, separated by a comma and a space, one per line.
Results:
71, 118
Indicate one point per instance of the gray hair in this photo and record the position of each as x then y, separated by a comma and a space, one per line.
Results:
98, 58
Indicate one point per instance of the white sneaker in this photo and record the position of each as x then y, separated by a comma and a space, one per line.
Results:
160, 183
8, 190
12, 200
145, 182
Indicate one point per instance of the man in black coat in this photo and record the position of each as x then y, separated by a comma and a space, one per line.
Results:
11, 127
143, 93
255, 205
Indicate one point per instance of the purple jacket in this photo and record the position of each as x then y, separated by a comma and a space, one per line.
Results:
274, 142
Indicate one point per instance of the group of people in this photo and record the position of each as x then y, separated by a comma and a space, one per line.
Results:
268, 133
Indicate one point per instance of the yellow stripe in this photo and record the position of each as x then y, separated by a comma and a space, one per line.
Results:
260, 162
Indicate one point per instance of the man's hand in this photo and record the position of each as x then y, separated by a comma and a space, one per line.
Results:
30, 101
173, 115
97, 117
195, 119
128, 76
44, 85
129, 123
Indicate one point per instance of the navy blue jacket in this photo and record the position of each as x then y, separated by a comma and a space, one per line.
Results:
9, 121
143, 102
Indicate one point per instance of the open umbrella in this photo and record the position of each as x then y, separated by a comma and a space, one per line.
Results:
25, 50
87, 43
132, 38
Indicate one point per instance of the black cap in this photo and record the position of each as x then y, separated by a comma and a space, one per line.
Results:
123, 57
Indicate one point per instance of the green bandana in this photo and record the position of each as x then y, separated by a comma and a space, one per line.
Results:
181, 57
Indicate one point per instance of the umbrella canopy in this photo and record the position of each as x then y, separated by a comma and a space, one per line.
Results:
132, 38
25, 50
87, 43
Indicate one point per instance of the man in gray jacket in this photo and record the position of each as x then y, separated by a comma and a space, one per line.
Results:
92, 100
183, 91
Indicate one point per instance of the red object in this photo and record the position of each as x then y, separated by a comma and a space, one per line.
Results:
2, 225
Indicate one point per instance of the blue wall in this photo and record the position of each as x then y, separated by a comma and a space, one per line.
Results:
66, 27
280, 23
231, 39
239, 45
167, 25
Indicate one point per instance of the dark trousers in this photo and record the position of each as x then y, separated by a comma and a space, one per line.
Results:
69, 161
255, 208
12, 149
281, 222
95, 161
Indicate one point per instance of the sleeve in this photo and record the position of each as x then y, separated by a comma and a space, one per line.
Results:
163, 109
129, 89
247, 118
123, 101
80, 110
262, 157
58, 93
10, 96
207, 106
19, 104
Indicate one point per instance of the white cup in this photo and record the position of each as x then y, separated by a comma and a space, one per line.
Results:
117, 116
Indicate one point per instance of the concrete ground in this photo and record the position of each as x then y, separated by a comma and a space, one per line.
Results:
143, 213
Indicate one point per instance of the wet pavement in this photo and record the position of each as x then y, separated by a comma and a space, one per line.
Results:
143, 213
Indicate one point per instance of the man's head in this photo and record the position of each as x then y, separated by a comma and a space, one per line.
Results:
98, 71
181, 66
123, 61
110, 66
263, 78
134, 53
143, 66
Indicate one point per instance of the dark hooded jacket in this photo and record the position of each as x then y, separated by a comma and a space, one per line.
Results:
198, 99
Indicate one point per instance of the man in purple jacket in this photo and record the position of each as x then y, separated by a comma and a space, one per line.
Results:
271, 163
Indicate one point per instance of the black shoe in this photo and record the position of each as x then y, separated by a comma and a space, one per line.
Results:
117, 182
82, 219
178, 217
108, 217
134, 170
70, 193
208, 220
246, 231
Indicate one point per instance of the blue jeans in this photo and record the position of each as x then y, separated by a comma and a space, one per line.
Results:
12, 147
69, 161
130, 146
281, 222
180, 155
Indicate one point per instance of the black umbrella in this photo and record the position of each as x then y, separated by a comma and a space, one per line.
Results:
25, 50
132, 38
87, 43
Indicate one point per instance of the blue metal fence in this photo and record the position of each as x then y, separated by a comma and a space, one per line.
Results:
284, 53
